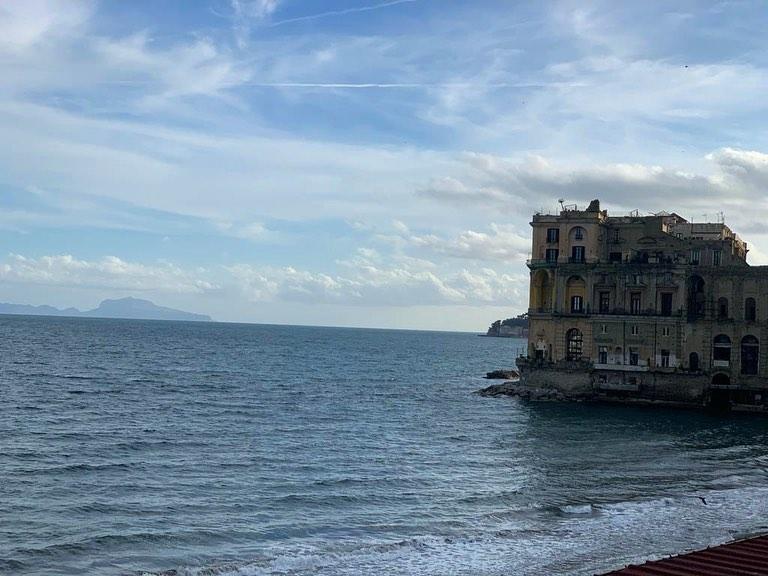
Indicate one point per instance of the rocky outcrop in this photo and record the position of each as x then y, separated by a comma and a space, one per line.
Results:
510, 328
519, 390
502, 375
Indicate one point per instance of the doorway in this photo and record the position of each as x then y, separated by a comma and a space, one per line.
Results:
719, 395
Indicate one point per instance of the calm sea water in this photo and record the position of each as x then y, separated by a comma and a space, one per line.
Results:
132, 447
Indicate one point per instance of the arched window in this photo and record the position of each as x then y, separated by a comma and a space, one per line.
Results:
693, 362
722, 308
750, 353
541, 294
573, 344
578, 233
721, 350
696, 297
750, 310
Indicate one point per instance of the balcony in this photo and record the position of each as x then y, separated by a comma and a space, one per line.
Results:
622, 367
534, 263
642, 313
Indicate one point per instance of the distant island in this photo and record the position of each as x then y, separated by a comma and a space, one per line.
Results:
516, 327
129, 308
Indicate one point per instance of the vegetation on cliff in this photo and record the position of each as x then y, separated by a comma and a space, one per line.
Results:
516, 327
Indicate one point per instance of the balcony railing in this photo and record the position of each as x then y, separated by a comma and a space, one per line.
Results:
540, 262
587, 310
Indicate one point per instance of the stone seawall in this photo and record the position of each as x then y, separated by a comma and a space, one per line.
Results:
581, 382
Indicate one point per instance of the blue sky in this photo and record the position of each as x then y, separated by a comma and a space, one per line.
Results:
358, 162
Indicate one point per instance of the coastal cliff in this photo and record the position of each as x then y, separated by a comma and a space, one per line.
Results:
516, 327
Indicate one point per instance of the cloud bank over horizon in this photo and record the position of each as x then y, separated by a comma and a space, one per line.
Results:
364, 163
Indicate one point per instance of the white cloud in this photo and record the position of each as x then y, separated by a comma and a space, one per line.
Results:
503, 243
367, 284
29, 23
245, 12
197, 68
746, 167
254, 231
197, 174
108, 272
735, 176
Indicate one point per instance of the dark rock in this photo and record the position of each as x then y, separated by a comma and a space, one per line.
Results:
504, 389
503, 375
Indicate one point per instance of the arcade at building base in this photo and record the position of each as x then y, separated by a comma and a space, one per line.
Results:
585, 381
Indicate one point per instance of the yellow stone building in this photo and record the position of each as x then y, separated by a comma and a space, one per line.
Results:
652, 308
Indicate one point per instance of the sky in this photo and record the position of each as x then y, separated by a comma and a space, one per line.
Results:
358, 163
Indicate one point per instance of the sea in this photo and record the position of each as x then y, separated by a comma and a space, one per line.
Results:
211, 449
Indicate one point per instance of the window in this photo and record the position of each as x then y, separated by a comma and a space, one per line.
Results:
721, 350
553, 235
717, 257
618, 356
750, 310
693, 362
614, 257
695, 256
615, 235
577, 254
667, 278
722, 308
637, 279
634, 357
552, 254
634, 303
578, 233
666, 304
573, 344
602, 355
605, 302
635, 330
603, 328
750, 352
665, 331
577, 304
665, 358
696, 297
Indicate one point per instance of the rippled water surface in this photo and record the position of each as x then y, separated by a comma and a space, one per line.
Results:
129, 447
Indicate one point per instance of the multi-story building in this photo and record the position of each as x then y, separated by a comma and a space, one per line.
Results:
651, 308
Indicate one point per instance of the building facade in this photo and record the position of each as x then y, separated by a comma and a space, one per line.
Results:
646, 307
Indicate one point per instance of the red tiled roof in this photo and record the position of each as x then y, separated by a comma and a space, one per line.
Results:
741, 558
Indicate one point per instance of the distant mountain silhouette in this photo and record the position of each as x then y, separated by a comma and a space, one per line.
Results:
132, 308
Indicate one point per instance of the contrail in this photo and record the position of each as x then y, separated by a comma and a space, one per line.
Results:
375, 85
410, 85
340, 12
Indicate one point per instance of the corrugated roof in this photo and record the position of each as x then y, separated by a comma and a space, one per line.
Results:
741, 558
